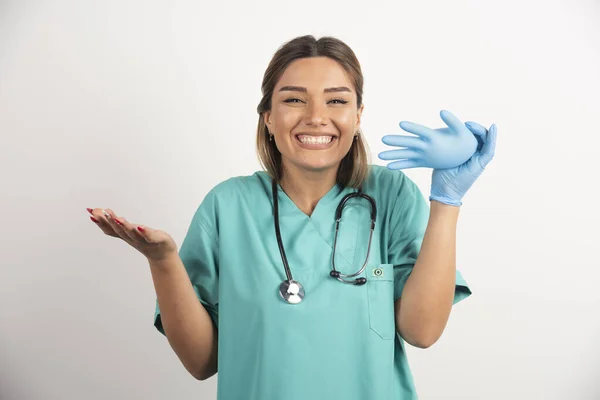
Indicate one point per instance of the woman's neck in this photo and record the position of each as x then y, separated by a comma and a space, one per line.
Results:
305, 188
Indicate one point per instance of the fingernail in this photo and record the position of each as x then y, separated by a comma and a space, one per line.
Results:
89, 210
118, 222
139, 228
94, 219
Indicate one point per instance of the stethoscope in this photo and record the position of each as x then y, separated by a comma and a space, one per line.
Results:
291, 290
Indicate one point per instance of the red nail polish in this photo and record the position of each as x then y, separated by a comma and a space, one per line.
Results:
139, 228
118, 222
94, 219
89, 210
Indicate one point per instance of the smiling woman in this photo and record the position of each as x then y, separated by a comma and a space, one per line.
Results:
309, 118
308, 133
339, 334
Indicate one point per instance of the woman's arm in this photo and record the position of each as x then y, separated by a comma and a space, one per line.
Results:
423, 310
187, 325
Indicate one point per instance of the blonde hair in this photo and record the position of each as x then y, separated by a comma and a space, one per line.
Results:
354, 166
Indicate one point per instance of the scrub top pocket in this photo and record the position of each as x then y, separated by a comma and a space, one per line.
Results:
380, 287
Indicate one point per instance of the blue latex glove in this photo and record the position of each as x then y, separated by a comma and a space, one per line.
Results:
448, 186
441, 148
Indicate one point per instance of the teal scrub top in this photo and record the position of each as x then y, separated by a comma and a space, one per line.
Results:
341, 341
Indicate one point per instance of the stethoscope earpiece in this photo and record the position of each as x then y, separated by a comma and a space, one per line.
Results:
357, 281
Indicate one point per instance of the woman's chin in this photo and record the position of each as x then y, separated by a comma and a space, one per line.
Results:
321, 166
313, 163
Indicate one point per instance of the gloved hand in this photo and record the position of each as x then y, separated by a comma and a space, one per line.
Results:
458, 154
441, 148
448, 186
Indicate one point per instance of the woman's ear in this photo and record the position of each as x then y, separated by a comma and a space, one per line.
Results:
267, 118
359, 115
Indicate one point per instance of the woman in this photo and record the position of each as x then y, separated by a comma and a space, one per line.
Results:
281, 311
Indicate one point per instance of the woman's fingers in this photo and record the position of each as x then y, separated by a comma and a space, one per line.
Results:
403, 141
476, 128
98, 217
398, 154
152, 243
418, 129
451, 120
489, 147
116, 225
128, 229
480, 133
487, 142
404, 164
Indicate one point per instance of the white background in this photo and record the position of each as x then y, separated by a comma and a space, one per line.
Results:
143, 106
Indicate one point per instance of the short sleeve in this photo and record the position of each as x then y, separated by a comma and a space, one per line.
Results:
199, 254
410, 217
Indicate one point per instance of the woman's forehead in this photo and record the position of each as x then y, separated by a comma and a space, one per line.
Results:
315, 73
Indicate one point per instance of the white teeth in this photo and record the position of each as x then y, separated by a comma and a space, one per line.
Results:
315, 139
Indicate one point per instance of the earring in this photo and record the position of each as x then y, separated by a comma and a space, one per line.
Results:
270, 138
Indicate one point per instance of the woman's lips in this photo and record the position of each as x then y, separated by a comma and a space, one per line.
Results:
315, 146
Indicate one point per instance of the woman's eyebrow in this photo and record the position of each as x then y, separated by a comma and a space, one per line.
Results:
303, 90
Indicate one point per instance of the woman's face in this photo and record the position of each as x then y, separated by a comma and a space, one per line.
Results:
314, 114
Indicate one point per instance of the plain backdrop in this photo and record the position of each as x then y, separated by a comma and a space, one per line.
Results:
144, 106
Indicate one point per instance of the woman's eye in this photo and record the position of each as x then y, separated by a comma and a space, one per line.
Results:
340, 101
295, 100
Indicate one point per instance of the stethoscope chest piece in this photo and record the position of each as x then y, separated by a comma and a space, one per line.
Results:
291, 291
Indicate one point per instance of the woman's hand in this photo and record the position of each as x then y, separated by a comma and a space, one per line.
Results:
155, 245
431, 148
448, 186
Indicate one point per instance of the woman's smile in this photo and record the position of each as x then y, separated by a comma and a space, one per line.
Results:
315, 142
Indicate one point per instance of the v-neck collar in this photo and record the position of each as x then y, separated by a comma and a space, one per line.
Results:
323, 216
288, 207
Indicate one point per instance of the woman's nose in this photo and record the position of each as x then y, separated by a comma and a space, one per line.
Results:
316, 114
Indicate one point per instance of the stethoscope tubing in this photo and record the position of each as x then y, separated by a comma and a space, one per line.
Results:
344, 278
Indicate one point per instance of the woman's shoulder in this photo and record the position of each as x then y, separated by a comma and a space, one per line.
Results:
394, 191
240, 186
382, 179
232, 194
